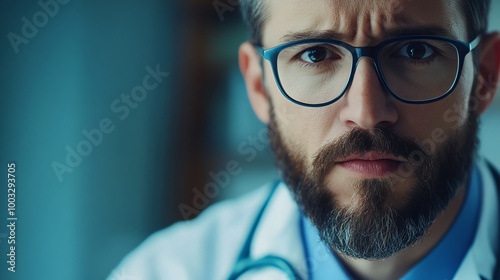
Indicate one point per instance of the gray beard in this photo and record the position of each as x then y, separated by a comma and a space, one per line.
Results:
376, 229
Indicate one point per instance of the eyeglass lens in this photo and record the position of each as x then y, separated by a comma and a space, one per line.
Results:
414, 70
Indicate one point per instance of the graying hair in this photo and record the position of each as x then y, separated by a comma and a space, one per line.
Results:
254, 15
476, 13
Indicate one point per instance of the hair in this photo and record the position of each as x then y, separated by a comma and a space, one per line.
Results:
254, 15
476, 13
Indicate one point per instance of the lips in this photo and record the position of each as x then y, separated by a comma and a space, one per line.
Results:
371, 164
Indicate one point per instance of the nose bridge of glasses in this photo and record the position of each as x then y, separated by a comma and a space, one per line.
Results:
367, 52
370, 52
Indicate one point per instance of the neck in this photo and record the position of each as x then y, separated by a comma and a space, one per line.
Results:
397, 265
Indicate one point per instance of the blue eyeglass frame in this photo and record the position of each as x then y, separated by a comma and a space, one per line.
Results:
373, 52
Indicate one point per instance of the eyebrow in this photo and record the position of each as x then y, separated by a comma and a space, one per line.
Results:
431, 30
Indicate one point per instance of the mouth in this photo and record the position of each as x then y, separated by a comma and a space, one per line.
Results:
371, 164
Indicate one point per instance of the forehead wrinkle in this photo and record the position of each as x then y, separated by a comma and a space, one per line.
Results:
359, 22
371, 24
374, 22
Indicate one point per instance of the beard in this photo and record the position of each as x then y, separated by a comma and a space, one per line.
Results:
377, 227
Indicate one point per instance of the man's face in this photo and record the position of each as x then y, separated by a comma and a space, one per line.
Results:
370, 171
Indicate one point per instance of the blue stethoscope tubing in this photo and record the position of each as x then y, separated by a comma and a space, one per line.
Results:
244, 263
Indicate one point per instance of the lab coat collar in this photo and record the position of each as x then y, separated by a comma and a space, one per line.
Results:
279, 232
481, 258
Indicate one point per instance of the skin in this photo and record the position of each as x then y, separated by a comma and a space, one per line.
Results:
366, 104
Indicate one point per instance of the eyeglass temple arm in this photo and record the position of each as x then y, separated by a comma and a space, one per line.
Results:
259, 50
474, 43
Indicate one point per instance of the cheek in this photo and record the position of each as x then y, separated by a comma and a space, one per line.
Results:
443, 117
461, 101
304, 129
465, 87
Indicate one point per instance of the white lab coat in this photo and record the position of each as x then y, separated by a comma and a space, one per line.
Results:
208, 246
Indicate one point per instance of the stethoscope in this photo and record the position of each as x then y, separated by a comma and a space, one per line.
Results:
244, 263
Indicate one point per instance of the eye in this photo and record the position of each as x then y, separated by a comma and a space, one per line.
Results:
316, 54
416, 50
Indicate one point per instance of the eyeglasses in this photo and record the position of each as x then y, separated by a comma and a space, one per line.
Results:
414, 69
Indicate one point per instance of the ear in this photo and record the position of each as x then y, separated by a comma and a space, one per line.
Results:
252, 73
489, 70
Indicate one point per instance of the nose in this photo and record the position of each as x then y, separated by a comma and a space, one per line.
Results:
368, 105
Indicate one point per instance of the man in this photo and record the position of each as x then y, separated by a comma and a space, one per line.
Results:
377, 152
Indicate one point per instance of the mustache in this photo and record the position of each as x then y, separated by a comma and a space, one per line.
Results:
361, 141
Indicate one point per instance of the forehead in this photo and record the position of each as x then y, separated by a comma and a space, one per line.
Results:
361, 22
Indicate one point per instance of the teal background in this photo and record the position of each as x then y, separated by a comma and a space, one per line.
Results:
65, 80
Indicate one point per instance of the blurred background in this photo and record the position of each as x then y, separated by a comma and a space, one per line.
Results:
104, 155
